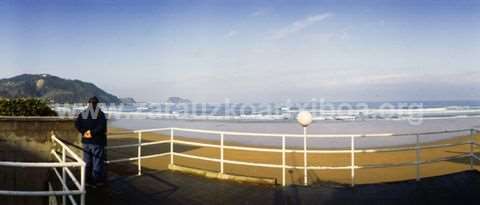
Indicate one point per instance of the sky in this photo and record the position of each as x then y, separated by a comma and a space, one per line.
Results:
250, 51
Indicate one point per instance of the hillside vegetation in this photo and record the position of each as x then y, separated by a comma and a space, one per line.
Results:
52, 89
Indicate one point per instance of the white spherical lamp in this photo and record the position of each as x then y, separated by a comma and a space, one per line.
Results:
304, 118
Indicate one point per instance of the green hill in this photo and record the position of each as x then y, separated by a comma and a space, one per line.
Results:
53, 89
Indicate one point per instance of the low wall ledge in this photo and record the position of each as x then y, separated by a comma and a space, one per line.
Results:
35, 119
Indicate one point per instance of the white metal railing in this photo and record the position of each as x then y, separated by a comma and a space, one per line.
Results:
62, 175
352, 151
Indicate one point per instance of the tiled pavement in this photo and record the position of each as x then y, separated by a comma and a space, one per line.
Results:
166, 187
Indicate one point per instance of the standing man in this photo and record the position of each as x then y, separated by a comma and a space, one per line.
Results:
92, 124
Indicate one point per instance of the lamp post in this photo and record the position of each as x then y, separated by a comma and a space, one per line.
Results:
304, 118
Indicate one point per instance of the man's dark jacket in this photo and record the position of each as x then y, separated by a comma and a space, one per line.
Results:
96, 125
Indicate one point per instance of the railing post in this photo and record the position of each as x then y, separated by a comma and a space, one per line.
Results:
82, 184
305, 165
171, 146
417, 155
472, 140
64, 177
221, 152
352, 160
283, 162
139, 153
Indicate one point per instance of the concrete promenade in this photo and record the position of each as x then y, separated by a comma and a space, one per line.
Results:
166, 187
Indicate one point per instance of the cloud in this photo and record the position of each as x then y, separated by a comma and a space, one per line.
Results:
230, 34
299, 25
394, 80
261, 12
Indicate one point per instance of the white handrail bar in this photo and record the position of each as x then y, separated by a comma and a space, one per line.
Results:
40, 193
75, 156
155, 143
155, 155
121, 160
39, 164
116, 134
136, 158
323, 167
339, 151
65, 187
152, 130
272, 134
121, 146
136, 144
200, 144
72, 177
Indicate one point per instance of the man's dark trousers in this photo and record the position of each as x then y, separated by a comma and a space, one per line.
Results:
94, 157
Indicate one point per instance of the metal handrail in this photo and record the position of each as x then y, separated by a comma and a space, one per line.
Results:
40, 193
334, 151
39, 164
64, 146
418, 146
65, 170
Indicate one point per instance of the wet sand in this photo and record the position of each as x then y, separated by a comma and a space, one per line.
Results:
295, 176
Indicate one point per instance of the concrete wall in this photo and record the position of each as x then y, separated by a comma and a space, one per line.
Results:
33, 134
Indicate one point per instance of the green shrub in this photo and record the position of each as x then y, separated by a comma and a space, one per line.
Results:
25, 107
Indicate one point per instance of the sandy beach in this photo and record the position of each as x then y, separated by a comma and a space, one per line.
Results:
318, 127
119, 136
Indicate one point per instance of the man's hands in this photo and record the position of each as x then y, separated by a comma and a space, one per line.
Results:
87, 134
